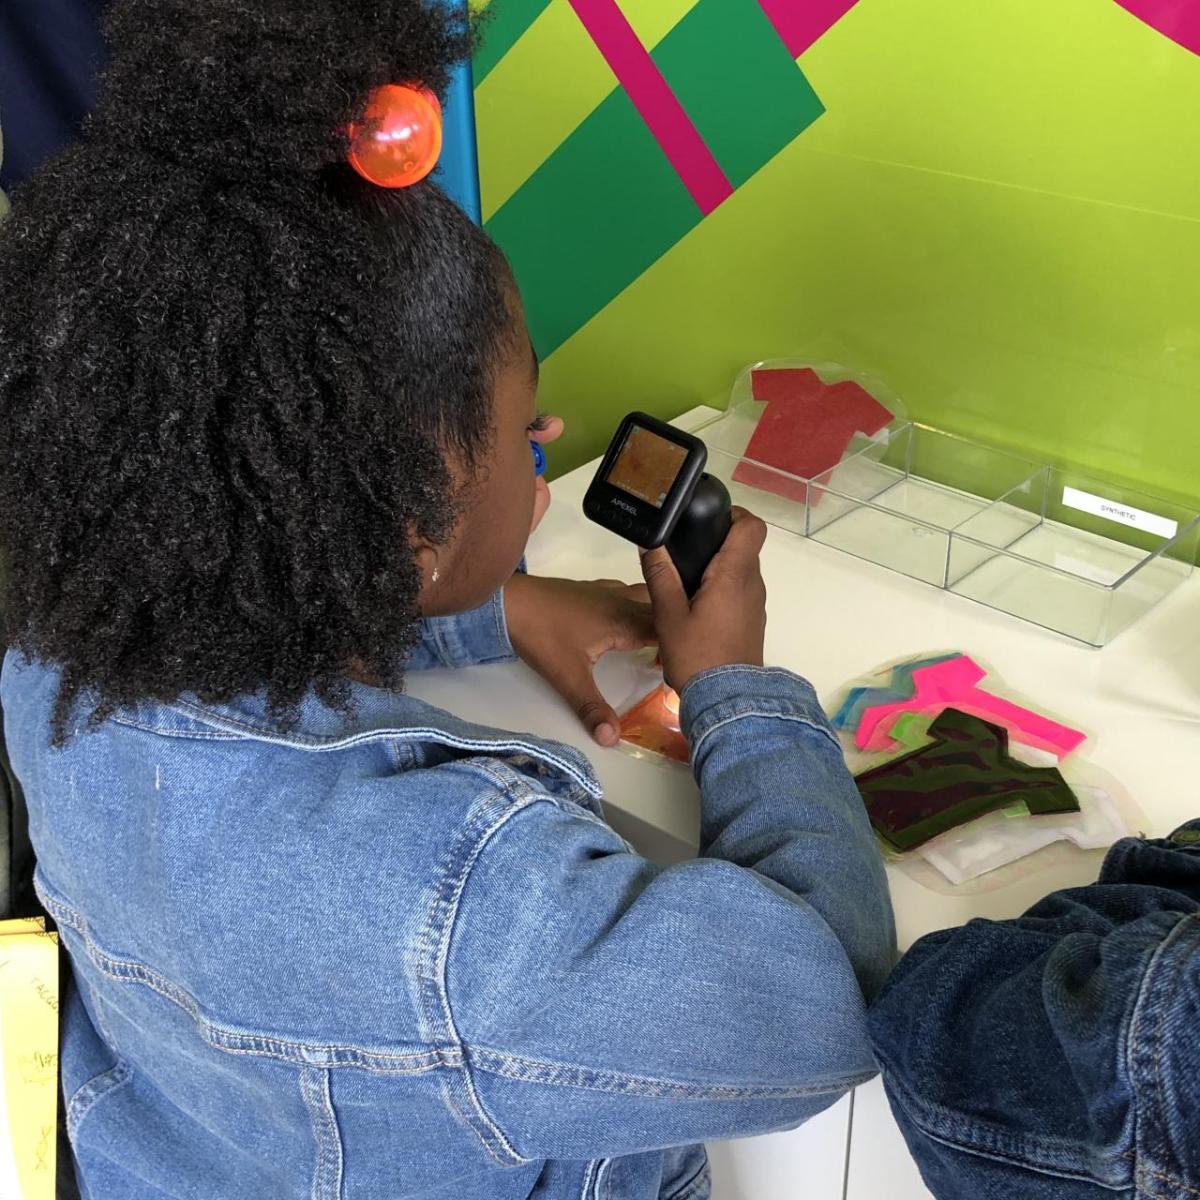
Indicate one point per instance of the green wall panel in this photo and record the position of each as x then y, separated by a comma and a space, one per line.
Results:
999, 212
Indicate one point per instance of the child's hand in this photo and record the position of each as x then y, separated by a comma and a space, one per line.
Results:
561, 628
726, 622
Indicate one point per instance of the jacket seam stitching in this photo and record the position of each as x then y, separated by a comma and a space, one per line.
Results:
314, 1088
1142, 1172
521, 788
529, 1070
797, 718
87, 1096
736, 669
200, 734
318, 1181
603, 1181
403, 734
436, 938
1015, 1159
589, 1176
443, 649
995, 1146
98, 1007
412, 1062
693, 1185
501, 618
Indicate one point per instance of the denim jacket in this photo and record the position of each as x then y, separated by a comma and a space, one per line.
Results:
399, 955
1057, 1056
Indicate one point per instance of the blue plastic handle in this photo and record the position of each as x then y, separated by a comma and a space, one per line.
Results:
458, 170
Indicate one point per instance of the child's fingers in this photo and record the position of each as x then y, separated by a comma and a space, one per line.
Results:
635, 627
576, 685
747, 534
665, 588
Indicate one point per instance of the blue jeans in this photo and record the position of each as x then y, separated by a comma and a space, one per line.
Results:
1058, 1055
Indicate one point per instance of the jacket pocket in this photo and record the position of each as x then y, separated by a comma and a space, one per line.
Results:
91, 1093
680, 1173
90, 1067
693, 1185
594, 1177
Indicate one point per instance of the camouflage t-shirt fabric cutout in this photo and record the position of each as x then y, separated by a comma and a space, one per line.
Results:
963, 773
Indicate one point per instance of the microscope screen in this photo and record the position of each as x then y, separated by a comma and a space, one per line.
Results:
647, 466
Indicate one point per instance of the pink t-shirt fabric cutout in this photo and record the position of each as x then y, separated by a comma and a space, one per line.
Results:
955, 683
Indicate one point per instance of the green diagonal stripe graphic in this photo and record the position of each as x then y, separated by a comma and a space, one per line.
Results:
736, 80
607, 204
501, 24
592, 218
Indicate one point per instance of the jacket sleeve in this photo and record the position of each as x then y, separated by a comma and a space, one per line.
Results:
607, 1005
475, 638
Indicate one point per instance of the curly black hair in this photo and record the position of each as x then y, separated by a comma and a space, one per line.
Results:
230, 369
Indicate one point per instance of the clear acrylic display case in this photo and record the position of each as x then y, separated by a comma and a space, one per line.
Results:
897, 497
1075, 554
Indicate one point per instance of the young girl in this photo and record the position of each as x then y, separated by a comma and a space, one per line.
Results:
264, 447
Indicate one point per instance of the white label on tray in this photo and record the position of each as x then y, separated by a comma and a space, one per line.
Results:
1124, 514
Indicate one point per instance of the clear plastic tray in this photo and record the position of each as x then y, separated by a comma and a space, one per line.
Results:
897, 497
763, 500
1078, 555
780, 498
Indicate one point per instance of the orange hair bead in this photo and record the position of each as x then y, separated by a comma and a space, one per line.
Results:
400, 137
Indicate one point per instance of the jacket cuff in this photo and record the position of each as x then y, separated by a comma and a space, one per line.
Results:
723, 695
475, 638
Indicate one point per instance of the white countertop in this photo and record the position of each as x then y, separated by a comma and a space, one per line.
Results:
832, 618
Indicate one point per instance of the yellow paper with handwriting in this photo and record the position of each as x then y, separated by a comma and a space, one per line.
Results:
29, 1054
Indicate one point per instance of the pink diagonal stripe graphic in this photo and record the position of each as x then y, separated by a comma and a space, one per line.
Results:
659, 107
802, 22
1177, 19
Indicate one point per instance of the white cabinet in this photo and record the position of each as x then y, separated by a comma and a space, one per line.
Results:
802, 1164
879, 1166
850, 1152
